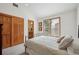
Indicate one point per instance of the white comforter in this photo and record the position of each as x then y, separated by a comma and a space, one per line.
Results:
44, 45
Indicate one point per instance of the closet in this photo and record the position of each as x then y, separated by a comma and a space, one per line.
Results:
17, 30
6, 30
12, 30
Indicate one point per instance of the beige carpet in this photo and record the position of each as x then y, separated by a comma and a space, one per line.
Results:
24, 53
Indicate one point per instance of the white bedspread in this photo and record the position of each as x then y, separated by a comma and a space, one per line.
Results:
44, 45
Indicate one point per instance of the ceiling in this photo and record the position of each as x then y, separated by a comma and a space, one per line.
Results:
47, 9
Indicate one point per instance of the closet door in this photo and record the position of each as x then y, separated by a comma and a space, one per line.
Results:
14, 30
17, 30
21, 30
6, 32
1, 18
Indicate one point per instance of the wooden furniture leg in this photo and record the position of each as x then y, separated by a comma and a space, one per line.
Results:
25, 49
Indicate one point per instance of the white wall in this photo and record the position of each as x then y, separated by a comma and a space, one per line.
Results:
78, 15
40, 20
77, 19
68, 22
24, 12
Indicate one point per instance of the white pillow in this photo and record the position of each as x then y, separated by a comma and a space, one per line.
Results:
74, 48
60, 39
66, 42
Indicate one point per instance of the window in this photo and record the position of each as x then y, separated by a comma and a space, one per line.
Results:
55, 26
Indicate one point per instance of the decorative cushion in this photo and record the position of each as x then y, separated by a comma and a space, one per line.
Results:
74, 48
66, 42
59, 39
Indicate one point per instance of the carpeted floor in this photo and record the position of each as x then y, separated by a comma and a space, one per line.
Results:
24, 53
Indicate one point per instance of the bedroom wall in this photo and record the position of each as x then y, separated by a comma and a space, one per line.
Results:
21, 12
40, 32
78, 15
68, 22
77, 19
76, 42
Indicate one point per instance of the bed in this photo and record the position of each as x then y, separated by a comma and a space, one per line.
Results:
43, 45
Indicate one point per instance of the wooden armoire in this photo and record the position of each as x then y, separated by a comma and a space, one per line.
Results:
13, 30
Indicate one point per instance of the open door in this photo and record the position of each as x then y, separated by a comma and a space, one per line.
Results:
30, 29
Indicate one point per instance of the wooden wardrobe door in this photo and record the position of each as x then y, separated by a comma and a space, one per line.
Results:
14, 30
6, 33
1, 19
21, 30
17, 30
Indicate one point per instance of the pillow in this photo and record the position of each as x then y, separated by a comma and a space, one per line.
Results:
59, 39
66, 42
74, 48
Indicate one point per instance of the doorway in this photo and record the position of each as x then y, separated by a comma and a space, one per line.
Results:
30, 29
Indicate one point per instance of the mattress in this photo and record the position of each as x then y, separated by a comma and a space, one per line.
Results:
44, 45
